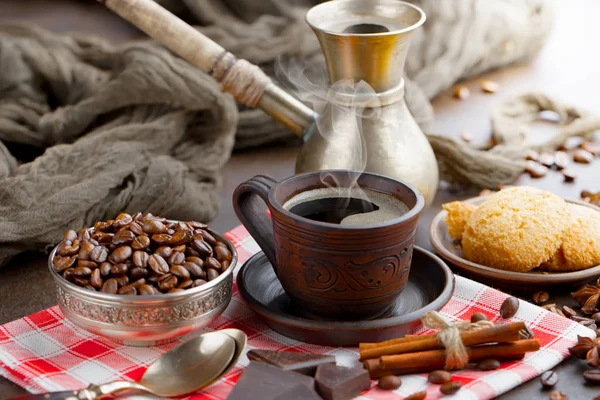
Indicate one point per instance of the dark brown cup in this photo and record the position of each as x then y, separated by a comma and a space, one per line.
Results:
332, 271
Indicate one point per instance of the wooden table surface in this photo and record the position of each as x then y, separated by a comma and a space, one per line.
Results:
567, 68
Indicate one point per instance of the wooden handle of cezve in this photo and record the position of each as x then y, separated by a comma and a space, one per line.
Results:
187, 42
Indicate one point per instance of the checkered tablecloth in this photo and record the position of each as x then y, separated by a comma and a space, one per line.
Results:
46, 352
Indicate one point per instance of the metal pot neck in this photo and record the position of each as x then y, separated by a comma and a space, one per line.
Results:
370, 100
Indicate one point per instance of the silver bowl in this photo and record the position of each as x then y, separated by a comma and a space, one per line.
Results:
145, 320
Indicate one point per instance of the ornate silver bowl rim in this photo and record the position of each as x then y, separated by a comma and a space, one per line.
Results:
145, 299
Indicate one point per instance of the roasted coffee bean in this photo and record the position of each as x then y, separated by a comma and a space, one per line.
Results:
590, 323
122, 280
196, 260
222, 253
82, 272
81, 281
164, 251
596, 317
176, 258
583, 157
549, 379
70, 236
96, 279
450, 387
569, 312
199, 282
85, 251
196, 224
556, 395
547, 160
213, 263
461, 92
488, 86
225, 265
161, 239
180, 237
158, 264
138, 283
561, 159
110, 286
186, 284
191, 252
540, 297
509, 307
532, 155
194, 270
536, 170
152, 226
180, 272
592, 147
201, 247
175, 290
136, 228
124, 237
99, 254
438, 377
152, 278
103, 237
138, 273
592, 376
68, 274
416, 396
211, 274
489, 364
146, 290
62, 263
69, 248
206, 236
105, 269
127, 290
122, 220
182, 226
140, 243
102, 226
87, 264
120, 254
389, 382
167, 282
118, 269
179, 249
140, 259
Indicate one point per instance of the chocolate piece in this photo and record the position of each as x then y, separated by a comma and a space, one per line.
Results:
299, 392
340, 383
266, 382
290, 361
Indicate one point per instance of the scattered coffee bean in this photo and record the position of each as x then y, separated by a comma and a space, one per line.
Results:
569, 312
591, 147
476, 317
489, 86
561, 160
549, 379
489, 364
556, 395
389, 382
462, 92
536, 170
540, 297
416, 396
440, 376
466, 136
583, 156
597, 332
532, 156
509, 307
592, 376
450, 387
596, 317
547, 160
571, 143
569, 175
147, 250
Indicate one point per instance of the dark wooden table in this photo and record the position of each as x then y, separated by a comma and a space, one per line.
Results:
567, 68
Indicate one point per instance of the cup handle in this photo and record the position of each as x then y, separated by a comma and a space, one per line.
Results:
249, 199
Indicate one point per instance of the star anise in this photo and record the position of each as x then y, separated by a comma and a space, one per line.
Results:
588, 297
588, 349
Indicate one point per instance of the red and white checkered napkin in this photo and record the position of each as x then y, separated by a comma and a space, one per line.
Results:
45, 352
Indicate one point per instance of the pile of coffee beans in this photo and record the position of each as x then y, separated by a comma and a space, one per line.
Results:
141, 254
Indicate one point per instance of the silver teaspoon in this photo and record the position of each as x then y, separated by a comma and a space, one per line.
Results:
185, 369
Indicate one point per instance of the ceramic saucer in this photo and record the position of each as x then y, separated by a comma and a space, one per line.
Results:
430, 285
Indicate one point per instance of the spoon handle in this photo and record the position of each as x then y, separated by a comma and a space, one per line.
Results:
68, 395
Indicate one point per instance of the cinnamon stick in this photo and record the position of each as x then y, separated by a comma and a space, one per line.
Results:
406, 338
376, 371
494, 334
435, 359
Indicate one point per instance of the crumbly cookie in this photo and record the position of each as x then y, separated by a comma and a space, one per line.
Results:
516, 229
580, 247
458, 214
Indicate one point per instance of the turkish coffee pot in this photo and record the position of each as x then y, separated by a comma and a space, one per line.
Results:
362, 41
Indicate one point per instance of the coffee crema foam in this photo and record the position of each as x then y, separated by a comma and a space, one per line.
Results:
389, 206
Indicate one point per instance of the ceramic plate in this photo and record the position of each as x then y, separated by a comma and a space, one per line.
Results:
430, 285
452, 252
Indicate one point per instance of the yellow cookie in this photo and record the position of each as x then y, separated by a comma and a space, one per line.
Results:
458, 214
516, 229
580, 247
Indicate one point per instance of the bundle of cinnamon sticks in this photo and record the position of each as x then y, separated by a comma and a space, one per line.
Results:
416, 354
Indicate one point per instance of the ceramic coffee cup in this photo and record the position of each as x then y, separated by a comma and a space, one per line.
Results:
332, 271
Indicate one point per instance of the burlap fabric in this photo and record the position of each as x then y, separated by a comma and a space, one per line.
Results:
131, 127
